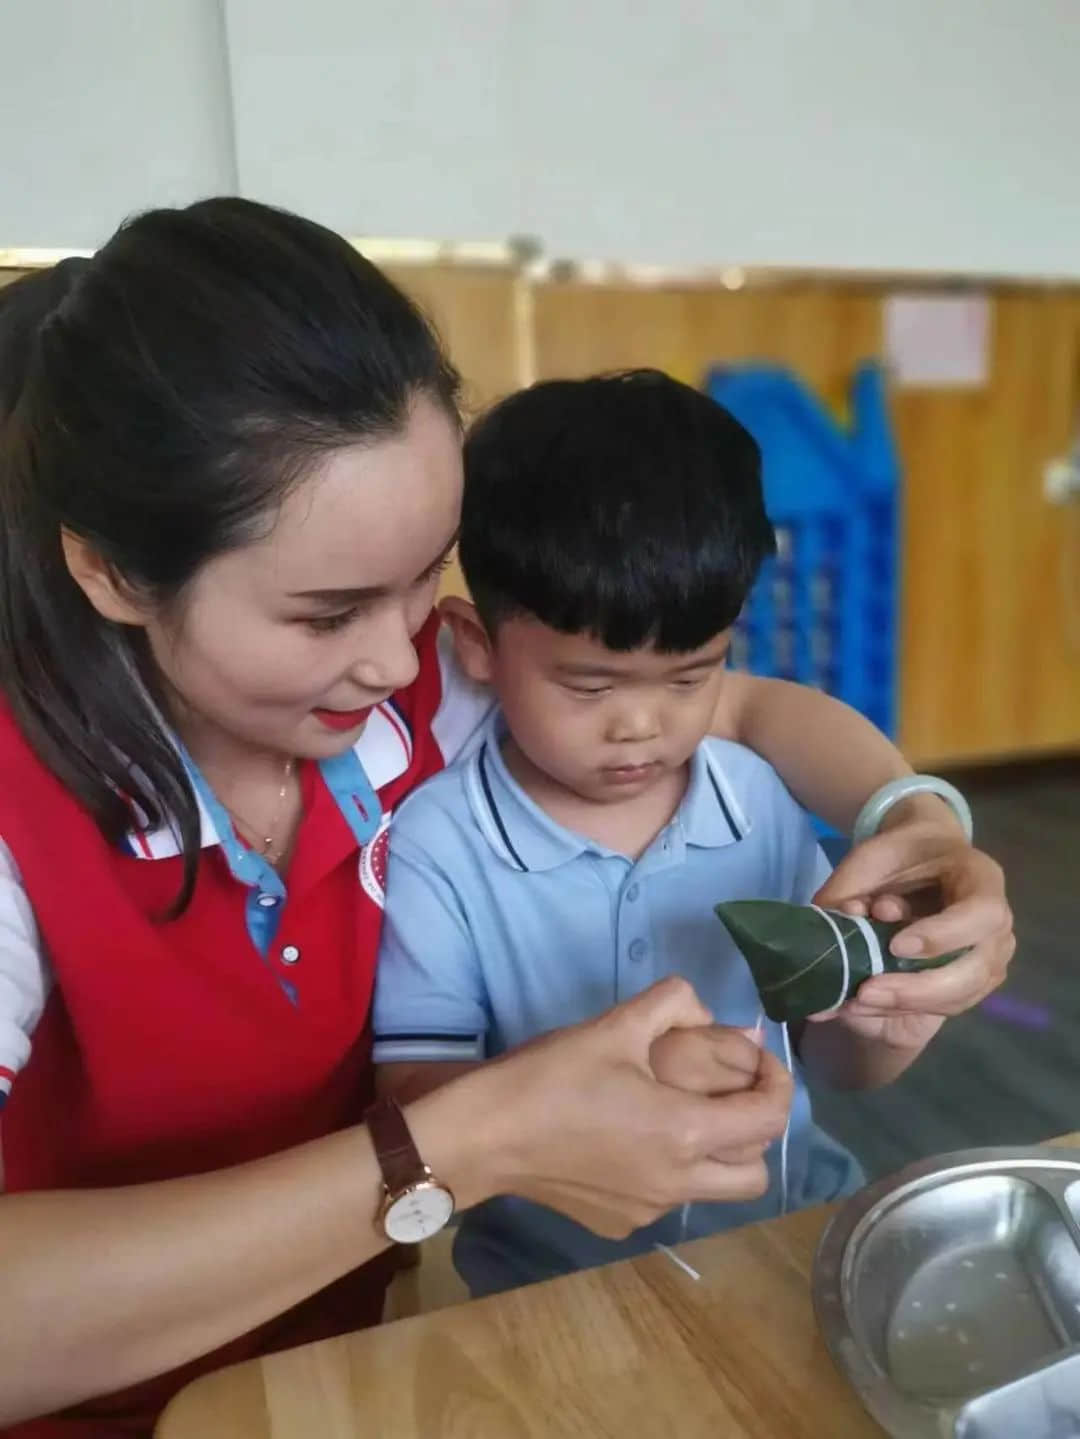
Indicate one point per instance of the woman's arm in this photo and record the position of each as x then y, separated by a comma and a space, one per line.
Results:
828, 755
113, 1286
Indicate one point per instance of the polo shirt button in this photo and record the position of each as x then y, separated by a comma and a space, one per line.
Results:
637, 950
632, 893
268, 901
290, 954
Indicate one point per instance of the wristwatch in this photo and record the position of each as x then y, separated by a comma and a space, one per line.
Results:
415, 1204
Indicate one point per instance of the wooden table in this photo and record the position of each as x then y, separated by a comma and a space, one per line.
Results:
637, 1349
633, 1351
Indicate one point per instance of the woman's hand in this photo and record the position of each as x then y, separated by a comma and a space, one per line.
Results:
923, 867
578, 1120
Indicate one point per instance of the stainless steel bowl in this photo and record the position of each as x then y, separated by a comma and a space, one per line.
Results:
949, 1295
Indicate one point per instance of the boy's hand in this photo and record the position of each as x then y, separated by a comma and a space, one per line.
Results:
713, 1060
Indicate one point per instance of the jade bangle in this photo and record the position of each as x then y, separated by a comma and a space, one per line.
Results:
879, 804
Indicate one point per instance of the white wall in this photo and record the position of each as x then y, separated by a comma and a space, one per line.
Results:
108, 106
937, 134
893, 133
897, 133
381, 117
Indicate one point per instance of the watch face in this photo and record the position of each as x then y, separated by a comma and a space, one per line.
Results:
418, 1213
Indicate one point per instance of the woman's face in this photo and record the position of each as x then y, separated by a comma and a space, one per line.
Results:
284, 645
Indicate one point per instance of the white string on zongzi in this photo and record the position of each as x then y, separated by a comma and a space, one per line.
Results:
844, 960
873, 944
787, 1127
757, 1036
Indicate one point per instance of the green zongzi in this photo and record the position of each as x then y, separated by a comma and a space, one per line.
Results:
805, 960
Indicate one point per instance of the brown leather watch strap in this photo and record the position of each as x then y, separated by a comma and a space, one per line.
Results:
399, 1159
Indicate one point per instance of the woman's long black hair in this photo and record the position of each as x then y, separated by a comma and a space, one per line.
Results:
157, 401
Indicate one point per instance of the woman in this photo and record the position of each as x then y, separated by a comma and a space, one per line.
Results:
229, 477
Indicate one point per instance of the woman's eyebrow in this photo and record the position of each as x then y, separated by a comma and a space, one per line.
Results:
359, 593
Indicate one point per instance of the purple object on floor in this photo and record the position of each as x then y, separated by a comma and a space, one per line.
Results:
1021, 1012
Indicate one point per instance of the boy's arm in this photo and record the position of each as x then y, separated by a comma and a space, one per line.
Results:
430, 1010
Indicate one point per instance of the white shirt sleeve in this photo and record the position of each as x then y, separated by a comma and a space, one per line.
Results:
25, 977
463, 708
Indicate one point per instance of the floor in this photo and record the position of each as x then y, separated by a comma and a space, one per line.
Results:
1009, 1072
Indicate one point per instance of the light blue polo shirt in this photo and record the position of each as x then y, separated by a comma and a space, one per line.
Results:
501, 924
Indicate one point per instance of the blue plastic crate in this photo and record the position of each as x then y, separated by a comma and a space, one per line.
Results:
825, 610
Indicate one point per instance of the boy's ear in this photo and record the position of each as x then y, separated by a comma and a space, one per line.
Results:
472, 643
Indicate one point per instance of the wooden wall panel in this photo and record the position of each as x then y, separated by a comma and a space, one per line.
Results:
815, 330
989, 664
480, 313
484, 317
988, 668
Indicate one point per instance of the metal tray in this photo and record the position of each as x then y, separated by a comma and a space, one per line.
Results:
949, 1295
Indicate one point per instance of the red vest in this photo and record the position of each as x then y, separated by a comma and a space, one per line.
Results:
172, 1048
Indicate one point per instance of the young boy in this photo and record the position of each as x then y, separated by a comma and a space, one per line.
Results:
611, 531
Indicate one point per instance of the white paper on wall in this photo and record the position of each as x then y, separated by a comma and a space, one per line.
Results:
938, 340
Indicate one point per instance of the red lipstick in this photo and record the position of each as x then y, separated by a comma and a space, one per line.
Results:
342, 719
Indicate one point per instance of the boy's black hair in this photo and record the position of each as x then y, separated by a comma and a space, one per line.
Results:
627, 506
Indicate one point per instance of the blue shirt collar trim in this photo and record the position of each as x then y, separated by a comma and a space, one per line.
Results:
526, 838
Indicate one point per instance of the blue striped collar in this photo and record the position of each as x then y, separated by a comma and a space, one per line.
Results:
527, 838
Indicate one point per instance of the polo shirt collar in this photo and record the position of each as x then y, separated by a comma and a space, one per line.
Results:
527, 839
515, 826
710, 814
381, 754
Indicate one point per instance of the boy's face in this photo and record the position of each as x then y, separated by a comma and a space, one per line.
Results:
603, 724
